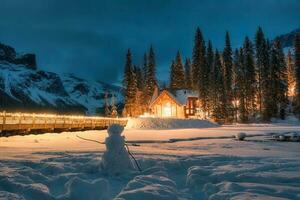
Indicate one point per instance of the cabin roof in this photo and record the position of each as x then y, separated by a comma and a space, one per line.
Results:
179, 96
182, 95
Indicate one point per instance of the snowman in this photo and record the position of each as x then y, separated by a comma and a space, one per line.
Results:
115, 159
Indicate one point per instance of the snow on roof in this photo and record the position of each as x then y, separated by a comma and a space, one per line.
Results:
180, 96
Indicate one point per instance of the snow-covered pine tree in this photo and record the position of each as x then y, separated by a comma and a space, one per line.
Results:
177, 73
188, 74
297, 74
227, 62
219, 96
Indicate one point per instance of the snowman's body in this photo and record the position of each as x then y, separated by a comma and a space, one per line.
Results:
115, 159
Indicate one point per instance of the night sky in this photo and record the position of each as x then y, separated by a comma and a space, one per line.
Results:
90, 37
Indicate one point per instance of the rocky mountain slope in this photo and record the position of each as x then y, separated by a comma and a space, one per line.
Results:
25, 88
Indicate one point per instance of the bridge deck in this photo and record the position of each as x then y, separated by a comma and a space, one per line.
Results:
25, 123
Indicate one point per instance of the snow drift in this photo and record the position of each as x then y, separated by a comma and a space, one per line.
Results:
168, 123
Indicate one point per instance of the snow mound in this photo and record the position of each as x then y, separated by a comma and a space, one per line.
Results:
78, 189
241, 136
287, 136
7, 195
168, 123
244, 178
149, 187
292, 120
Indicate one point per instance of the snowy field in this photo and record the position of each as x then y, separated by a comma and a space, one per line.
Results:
201, 163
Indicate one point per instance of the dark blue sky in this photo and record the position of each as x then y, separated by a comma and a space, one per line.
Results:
90, 37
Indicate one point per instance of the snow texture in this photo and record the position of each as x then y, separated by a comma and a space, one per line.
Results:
167, 123
63, 167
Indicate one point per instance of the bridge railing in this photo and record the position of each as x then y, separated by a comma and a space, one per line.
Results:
33, 121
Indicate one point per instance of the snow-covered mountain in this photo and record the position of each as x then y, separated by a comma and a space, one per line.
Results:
91, 94
287, 40
25, 88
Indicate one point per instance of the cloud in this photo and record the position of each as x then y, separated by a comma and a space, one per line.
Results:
90, 37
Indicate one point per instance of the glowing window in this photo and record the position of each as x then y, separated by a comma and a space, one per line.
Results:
167, 110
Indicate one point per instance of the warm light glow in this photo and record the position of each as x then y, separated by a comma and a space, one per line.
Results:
146, 115
30, 117
236, 103
167, 110
291, 90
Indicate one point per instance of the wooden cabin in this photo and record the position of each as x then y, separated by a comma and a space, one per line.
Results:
175, 103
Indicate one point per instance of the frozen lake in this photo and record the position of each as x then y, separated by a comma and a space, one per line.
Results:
201, 166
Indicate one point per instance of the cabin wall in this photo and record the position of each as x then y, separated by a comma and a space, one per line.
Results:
167, 107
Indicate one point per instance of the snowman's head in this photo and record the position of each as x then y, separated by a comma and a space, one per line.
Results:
115, 129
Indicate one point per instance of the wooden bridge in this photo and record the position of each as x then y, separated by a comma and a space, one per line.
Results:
27, 123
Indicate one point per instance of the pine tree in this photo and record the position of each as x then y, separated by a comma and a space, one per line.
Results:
172, 75
130, 85
106, 106
241, 86
145, 95
283, 81
127, 69
262, 69
235, 83
297, 74
266, 82
290, 74
198, 58
200, 70
114, 112
134, 104
139, 77
210, 66
145, 70
151, 81
219, 96
278, 82
188, 74
227, 60
177, 73
250, 77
